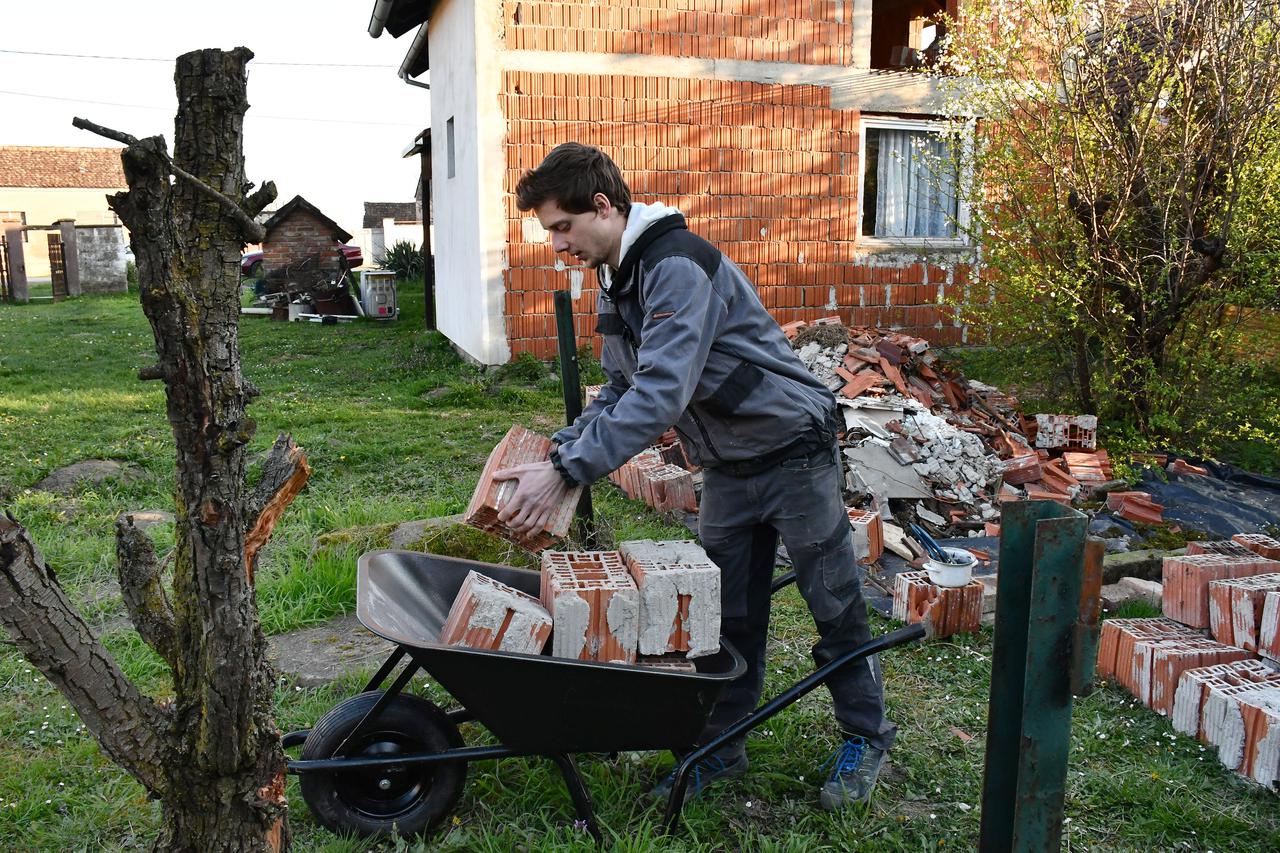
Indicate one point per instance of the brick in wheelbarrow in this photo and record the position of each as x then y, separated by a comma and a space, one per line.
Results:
490, 615
594, 606
516, 448
679, 596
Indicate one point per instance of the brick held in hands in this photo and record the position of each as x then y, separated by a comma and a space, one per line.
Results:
679, 596
594, 605
490, 615
517, 447
1260, 544
1185, 593
1236, 608
868, 534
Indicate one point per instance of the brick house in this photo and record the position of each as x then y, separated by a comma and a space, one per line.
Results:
783, 129
299, 230
40, 185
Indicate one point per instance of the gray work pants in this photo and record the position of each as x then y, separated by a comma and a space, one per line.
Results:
740, 520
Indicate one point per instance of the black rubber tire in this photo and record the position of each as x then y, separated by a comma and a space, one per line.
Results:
255, 269
415, 799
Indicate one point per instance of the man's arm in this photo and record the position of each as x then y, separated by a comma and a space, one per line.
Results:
682, 315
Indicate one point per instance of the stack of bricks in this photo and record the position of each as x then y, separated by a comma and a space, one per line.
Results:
594, 606
1236, 708
868, 534
1260, 544
1136, 506
665, 487
765, 171
952, 610
1185, 591
1236, 609
679, 597
516, 448
490, 615
1148, 656
1221, 547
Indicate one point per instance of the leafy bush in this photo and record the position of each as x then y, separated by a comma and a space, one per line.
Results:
404, 259
131, 275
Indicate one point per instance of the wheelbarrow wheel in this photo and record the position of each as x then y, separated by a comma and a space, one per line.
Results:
407, 800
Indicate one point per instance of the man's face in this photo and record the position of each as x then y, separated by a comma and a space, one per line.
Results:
592, 237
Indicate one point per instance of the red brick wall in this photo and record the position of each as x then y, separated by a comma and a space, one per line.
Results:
296, 237
815, 32
769, 173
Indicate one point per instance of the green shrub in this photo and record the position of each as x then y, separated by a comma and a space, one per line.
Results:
404, 259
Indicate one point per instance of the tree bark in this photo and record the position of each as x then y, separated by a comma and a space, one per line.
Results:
212, 754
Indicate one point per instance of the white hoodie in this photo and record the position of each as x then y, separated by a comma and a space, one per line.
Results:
639, 218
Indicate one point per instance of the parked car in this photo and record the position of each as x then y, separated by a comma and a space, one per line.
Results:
251, 262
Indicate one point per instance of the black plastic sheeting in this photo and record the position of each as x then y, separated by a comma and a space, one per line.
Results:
1226, 502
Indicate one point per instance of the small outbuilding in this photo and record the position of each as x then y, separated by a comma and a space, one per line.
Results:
298, 231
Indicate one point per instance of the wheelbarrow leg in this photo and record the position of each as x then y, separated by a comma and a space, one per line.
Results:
578, 791
675, 802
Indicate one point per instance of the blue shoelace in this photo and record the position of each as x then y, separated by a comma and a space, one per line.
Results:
847, 758
713, 763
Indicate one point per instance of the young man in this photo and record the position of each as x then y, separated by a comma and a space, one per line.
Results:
687, 342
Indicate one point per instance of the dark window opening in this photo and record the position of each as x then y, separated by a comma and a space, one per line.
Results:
906, 33
450, 161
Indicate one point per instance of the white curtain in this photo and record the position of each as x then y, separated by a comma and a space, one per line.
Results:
915, 185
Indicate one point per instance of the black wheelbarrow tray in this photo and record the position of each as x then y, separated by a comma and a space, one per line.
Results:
386, 761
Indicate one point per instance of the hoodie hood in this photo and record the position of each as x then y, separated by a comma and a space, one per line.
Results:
639, 219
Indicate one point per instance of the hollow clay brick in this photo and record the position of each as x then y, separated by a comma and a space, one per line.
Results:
1159, 663
672, 662
1236, 608
1225, 547
517, 447
1269, 627
679, 596
594, 605
1243, 722
1193, 687
1116, 642
952, 610
490, 615
868, 535
1185, 594
1260, 544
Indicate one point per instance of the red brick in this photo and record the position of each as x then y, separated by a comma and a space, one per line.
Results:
1185, 594
1260, 544
487, 614
1225, 547
1194, 685
952, 610
594, 605
516, 448
1235, 608
1269, 627
868, 534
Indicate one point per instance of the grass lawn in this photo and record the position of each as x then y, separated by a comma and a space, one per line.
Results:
397, 428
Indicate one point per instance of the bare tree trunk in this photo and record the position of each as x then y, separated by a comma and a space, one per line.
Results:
212, 755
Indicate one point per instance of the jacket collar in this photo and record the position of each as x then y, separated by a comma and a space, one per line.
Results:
621, 281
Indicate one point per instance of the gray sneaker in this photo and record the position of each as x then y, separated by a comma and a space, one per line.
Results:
705, 772
853, 776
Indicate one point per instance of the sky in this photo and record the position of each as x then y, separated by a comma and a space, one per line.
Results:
324, 125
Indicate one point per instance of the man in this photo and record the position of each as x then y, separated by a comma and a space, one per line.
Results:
687, 342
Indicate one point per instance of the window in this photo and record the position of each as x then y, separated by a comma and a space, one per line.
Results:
910, 183
9, 218
450, 162
906, 33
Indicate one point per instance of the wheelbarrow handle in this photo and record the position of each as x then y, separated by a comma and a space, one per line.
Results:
790, 696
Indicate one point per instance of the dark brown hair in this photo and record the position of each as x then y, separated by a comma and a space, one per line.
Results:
570, 176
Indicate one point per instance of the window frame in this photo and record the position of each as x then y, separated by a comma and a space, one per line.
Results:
960, 241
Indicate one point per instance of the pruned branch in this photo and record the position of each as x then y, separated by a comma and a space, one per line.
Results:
55, 639
252, 231
283, 475
142, 587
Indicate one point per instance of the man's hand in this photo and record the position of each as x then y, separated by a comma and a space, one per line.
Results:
538, 492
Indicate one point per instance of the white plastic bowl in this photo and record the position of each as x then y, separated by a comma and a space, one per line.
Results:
952, 574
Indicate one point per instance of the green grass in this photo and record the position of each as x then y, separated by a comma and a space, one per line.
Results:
397, 428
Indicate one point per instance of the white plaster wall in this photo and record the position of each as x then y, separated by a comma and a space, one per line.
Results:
469, 243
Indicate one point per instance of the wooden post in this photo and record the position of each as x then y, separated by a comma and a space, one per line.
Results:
70, 255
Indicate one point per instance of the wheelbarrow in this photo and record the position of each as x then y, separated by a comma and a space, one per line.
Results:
386, 761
